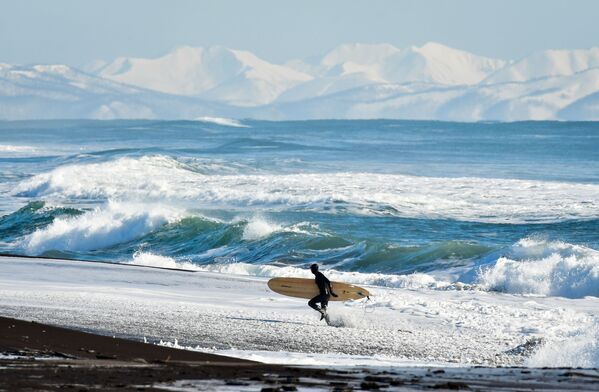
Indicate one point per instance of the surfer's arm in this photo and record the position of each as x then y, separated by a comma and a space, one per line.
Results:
331, 288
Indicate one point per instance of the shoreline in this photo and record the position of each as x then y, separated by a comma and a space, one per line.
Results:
37, 356
54, 353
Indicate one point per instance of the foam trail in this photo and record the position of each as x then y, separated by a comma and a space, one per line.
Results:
102, 227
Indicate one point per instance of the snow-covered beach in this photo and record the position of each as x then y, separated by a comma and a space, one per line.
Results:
238, 316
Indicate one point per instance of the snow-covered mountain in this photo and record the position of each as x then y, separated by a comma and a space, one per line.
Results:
220, 74
59, 91
573, 97
546, 63
355, 65
351, 81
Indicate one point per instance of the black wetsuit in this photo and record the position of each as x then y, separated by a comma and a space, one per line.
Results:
324, 285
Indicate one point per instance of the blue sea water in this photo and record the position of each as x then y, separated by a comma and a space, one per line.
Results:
496, 201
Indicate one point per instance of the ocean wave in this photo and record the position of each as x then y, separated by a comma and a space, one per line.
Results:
546, 268
31, 217
409, 281
228, 122
163, 179
102, 227
256, 245
150, 259
17, 149
542, 267
259, 228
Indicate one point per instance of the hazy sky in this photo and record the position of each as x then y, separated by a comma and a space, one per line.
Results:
77, 32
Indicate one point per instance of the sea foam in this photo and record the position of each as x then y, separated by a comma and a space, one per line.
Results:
164, 179
579, 349
104, 226
150, 259
543, 267
258, 228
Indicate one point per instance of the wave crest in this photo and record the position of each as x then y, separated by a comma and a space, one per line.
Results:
541, 267
100, 228
163, 179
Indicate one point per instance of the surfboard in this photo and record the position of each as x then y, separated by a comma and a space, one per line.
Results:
306, 288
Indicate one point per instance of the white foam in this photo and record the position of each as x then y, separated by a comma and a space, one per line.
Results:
16, 148
111, 224
410, 281
549, 268
258, 228
543, 267
229, 122
162, 179
19, 150
579, 349
150, 259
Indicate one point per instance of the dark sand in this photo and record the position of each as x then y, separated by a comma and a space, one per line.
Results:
36, 357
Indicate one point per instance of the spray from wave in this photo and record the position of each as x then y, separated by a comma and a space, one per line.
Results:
100, 228
577, 349
551, 268
258, 228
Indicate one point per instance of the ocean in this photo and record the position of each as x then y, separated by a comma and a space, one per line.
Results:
502, 207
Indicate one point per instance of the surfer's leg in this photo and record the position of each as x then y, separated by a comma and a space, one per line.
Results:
312, 303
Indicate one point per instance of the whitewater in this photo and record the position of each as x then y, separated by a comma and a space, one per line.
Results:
478, 241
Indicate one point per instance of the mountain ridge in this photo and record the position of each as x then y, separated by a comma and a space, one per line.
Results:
357, 80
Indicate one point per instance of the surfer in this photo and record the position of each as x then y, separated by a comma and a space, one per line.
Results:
324, 285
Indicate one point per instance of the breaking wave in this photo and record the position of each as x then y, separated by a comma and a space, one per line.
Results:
164, 179
552, 268
545, 268
98, 229
161, 235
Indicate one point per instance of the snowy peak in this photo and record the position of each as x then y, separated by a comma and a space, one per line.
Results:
213, 73
436, 63
60, 80
430, 63
547, 63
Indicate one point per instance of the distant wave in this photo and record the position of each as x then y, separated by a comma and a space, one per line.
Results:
228, 122
163, 179
20, 150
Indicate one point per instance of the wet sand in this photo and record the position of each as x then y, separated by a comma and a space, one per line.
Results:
35, 356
